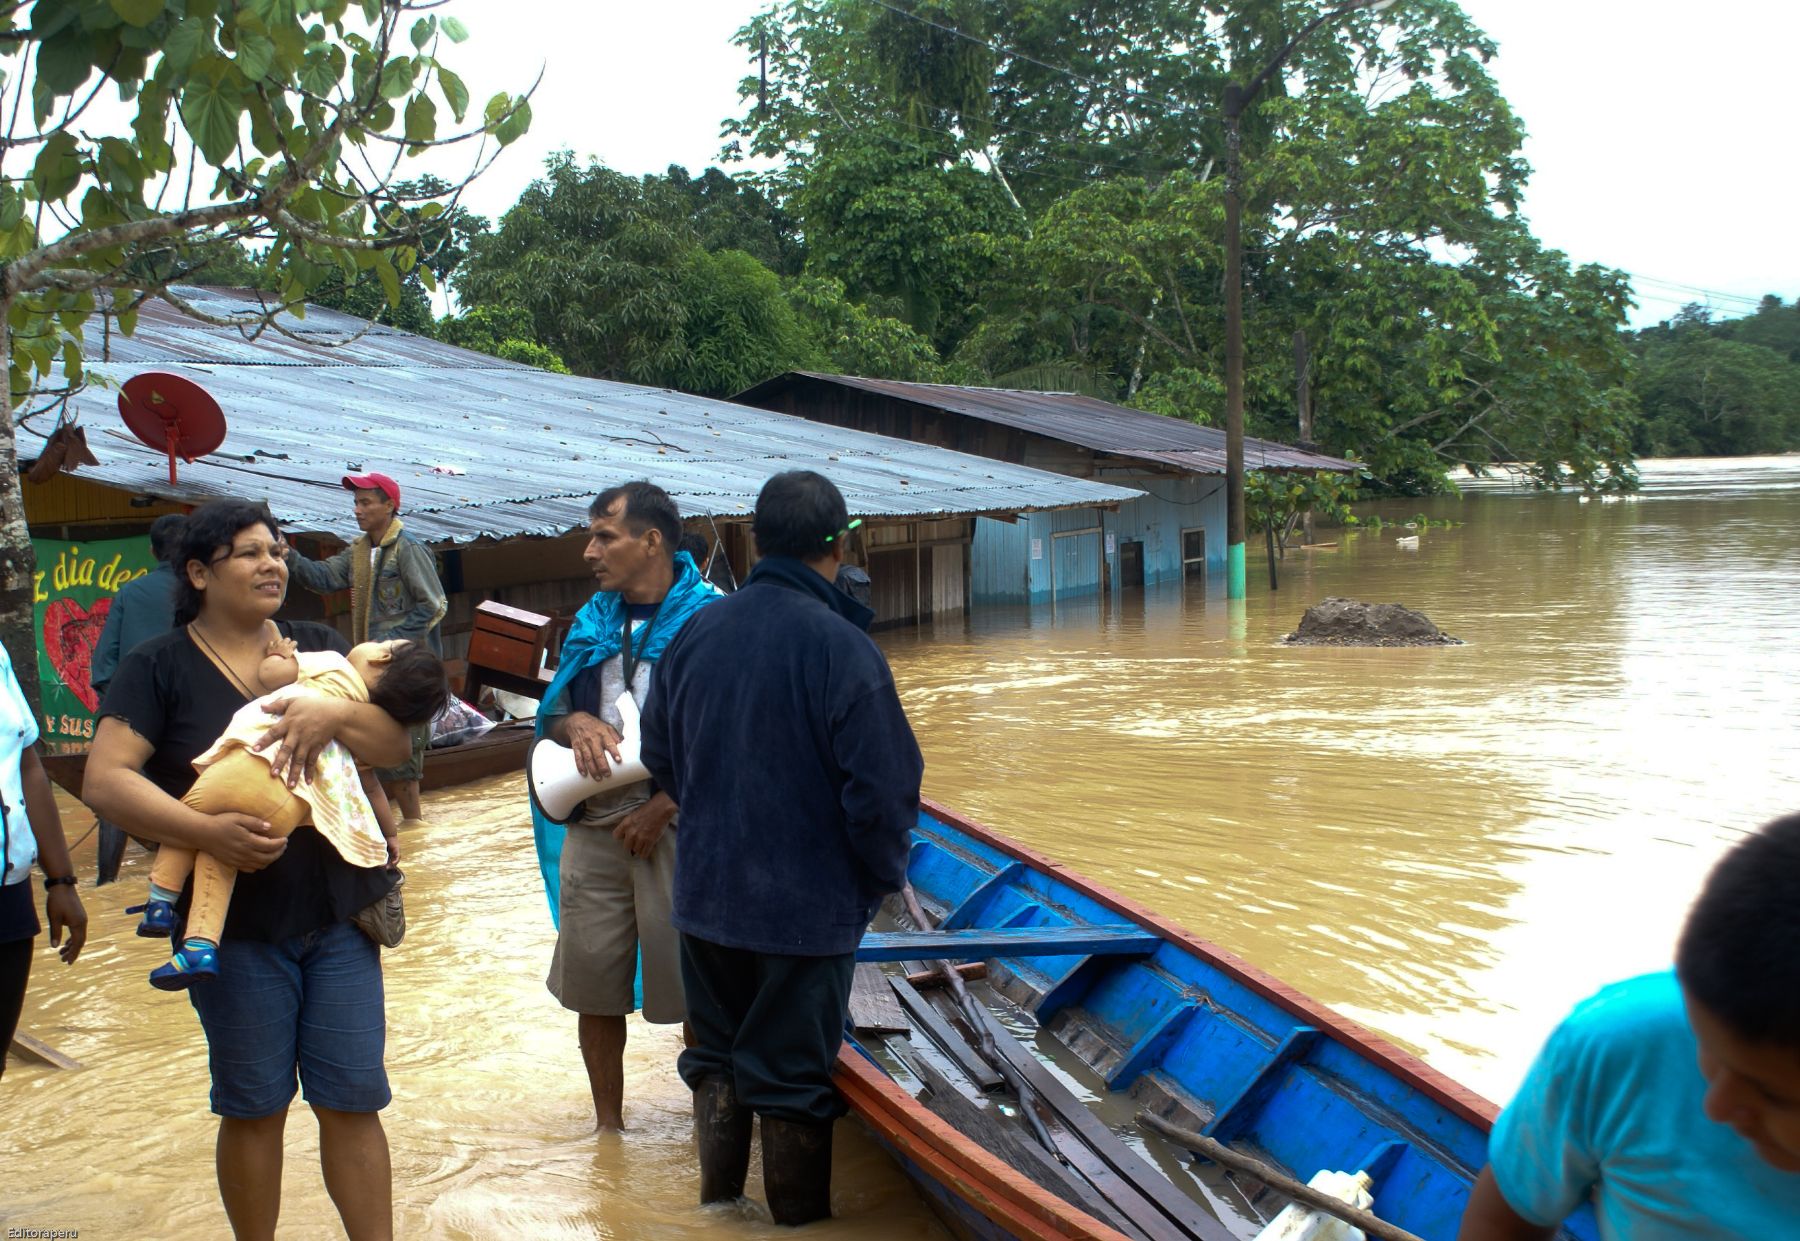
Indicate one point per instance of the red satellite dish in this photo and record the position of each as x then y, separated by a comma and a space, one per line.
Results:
172, 414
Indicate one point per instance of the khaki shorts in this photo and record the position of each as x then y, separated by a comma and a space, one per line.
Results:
613, 907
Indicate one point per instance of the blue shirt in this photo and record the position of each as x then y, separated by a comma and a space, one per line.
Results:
1612, 1108
143, 609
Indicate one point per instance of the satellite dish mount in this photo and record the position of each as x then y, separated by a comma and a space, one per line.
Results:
172, 414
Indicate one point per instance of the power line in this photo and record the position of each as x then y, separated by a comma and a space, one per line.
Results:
1691, 291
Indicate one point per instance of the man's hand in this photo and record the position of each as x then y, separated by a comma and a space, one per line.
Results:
642, 828
243, 842
393, 844
307, 725
63, 911
593, 740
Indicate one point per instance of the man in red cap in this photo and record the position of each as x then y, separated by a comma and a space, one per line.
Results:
394, 593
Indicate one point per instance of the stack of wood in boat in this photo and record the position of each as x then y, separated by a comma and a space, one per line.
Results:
974, 1073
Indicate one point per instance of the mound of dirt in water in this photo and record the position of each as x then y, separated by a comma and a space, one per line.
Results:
1351, 622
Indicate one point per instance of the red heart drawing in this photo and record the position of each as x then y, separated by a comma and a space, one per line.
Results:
70, 632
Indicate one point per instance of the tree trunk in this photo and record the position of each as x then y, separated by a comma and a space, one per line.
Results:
18, 567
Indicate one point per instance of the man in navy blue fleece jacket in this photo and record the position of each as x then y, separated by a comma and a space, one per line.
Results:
776, 728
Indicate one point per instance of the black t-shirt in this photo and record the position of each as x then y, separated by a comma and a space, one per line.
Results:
18, 914
179, 701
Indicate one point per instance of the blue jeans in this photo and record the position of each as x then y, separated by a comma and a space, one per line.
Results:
311, 1005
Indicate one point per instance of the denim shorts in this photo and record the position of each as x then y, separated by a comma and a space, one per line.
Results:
311, 1005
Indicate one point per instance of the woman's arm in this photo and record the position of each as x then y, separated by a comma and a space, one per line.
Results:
309, 723
62, 904
1490, 1217
115, 788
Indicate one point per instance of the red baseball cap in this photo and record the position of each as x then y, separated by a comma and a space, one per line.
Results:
376, 482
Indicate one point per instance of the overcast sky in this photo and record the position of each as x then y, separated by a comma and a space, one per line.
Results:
1662, 132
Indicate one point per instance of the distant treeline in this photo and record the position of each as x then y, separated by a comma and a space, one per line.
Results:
1728, 387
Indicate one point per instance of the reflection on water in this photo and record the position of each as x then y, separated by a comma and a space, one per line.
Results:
1450, 845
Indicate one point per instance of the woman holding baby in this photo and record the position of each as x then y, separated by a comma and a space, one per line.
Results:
298, 993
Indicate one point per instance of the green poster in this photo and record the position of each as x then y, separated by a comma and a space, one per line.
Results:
76, 583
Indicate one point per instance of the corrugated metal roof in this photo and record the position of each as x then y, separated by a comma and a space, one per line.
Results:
1081, 420
533, 447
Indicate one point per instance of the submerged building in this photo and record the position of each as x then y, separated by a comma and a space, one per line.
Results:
1174, 529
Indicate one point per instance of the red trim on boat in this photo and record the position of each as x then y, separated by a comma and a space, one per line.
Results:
998, 1191
1402, 1064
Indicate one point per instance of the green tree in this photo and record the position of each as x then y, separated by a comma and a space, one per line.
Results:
899, 221
593, 258
1382, 196
258, 109
1705, 395
623, 278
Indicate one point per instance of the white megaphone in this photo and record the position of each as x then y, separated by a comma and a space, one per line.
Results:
558, 788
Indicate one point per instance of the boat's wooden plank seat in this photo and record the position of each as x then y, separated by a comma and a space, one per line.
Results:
1081, 940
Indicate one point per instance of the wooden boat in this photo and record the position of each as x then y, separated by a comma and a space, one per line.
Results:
1155, 1026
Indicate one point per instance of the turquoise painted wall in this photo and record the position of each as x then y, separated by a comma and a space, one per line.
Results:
1004, 571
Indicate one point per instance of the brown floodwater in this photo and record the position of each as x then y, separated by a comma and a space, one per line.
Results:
1450, 845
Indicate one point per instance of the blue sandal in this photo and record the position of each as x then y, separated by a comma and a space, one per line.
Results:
159, 918
195, 961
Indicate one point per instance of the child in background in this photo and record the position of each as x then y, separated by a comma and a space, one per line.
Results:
403, 678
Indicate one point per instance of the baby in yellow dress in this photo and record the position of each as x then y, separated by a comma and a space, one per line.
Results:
403, 678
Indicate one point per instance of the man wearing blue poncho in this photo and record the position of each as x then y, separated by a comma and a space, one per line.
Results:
610, 874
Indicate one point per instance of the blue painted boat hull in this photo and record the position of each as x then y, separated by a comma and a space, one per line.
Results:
1199, 1037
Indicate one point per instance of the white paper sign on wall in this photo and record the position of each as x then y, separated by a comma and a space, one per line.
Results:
1037, 549
1110, 546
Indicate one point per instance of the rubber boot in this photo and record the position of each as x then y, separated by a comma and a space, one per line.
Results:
797, 1169
722, 1132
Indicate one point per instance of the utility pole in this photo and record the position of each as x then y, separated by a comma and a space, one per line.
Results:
1303, 398
1237, 98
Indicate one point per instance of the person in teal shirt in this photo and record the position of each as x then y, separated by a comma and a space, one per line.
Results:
1672, 1101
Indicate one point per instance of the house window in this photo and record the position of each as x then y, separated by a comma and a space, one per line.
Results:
1193, 554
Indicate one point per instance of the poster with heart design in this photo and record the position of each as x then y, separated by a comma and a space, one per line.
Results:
75, 586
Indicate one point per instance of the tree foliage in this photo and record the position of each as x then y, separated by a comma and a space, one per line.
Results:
269, 123
1382, 189
1728, 388
641, 279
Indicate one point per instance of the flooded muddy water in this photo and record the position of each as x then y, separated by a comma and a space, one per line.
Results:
1450, 845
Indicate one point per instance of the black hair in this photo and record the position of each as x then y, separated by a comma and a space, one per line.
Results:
165, 536
1739, 954
412, 687
647, 507
208, 535
798, 513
